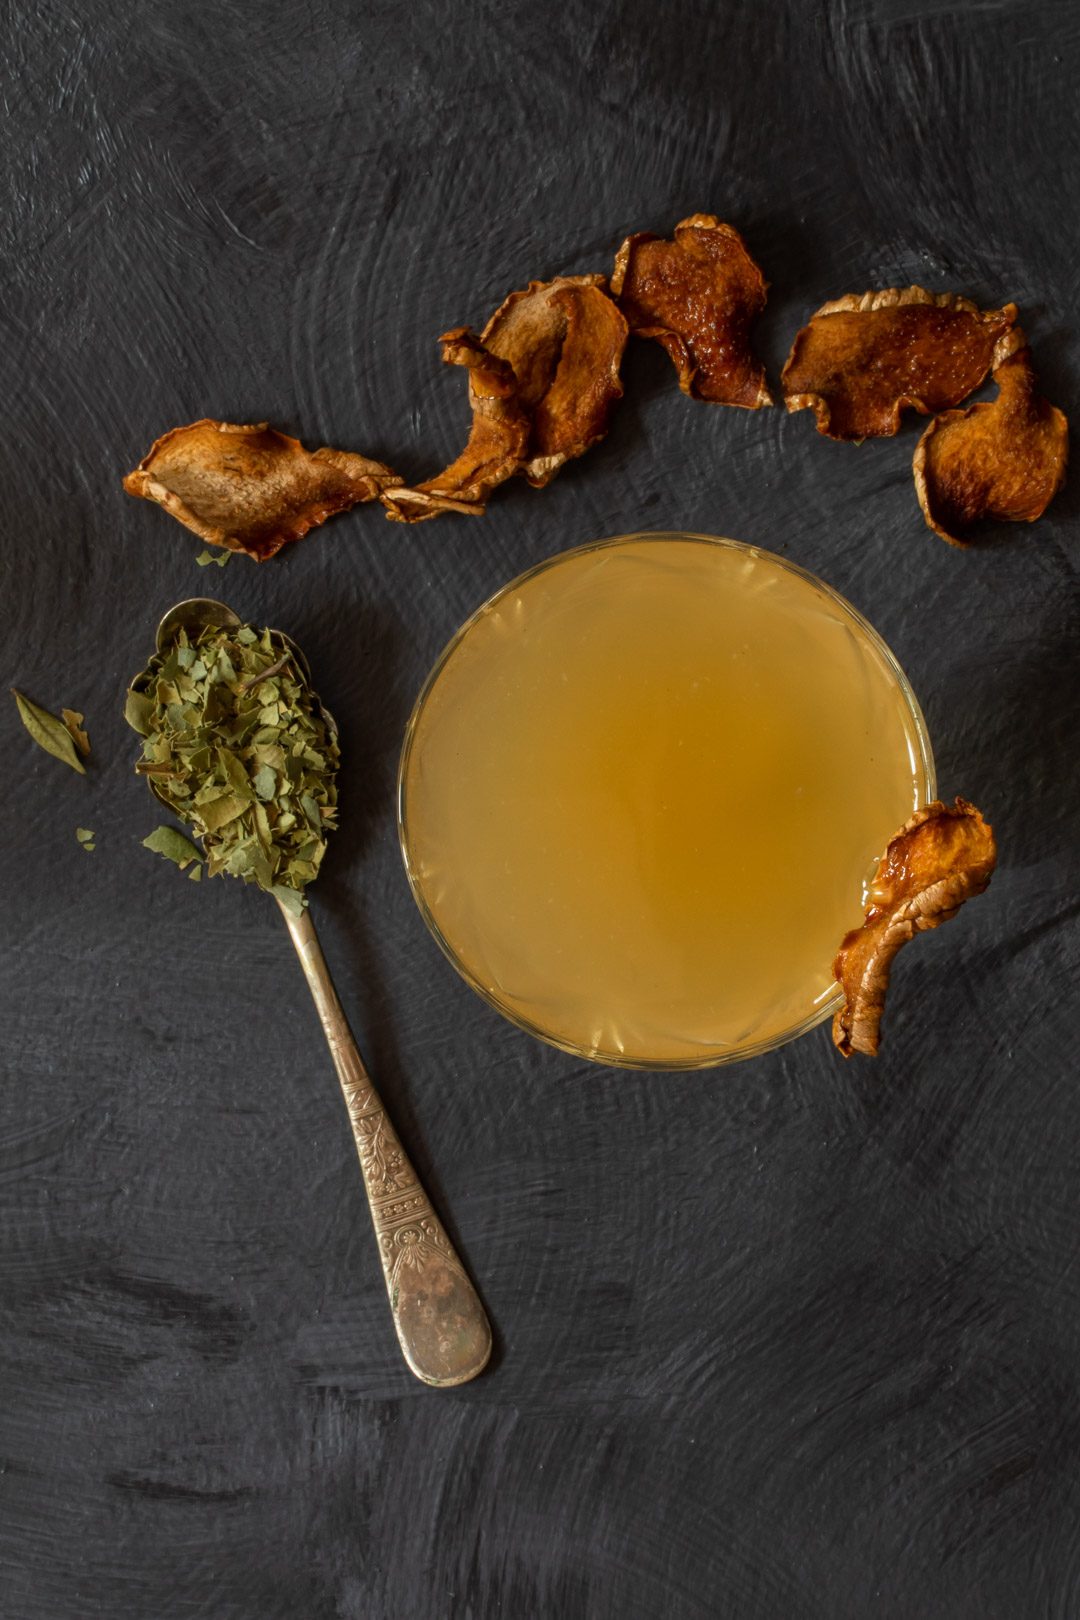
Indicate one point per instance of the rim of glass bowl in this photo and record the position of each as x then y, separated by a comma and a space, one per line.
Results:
618, 1060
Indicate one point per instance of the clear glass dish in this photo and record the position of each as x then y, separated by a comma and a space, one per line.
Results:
474, 712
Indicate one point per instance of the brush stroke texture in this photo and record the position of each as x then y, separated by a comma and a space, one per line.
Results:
795, 1341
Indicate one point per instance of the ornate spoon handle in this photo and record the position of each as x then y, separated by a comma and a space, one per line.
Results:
444, 1334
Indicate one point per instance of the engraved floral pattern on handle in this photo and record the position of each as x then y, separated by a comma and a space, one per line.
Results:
441, 1325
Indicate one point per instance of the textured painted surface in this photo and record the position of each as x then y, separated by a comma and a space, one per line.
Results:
791, 1341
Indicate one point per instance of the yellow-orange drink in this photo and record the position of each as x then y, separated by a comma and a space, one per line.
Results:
644, 789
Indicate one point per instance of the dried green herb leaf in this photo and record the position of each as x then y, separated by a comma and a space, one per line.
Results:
48, 732
239, 747
84, 835
205, 558
217, 812
265, 782
138, 711
195, 874
173, 845
291, 899
73, 720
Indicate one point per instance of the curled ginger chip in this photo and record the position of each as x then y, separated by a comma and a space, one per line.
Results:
698, 296
248, 488
1002, 459
862, 360
497, 442
543, 376
943, 856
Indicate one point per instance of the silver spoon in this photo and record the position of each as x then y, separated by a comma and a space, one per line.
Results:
441, 1326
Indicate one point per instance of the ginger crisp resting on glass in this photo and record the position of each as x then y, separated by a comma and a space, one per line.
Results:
944, 855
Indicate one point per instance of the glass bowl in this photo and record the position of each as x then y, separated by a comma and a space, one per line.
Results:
655, 597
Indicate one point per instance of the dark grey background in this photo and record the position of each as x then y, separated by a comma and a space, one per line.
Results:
793, 1341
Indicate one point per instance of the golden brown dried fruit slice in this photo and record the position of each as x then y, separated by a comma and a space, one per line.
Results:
543, 376
1003, 459
565, 340
497, 443
943, 856
698, 296
864, 359
249, 488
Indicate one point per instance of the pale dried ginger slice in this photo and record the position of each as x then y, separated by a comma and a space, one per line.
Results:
249, 488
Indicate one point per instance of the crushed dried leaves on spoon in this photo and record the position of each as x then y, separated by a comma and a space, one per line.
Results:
237, 745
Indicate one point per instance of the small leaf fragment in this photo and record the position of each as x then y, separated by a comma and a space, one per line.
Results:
290, 899
195, 874
265, 782
73, 720
138, 709
48, 732
84, 835
216, 813
206, 557
167, 841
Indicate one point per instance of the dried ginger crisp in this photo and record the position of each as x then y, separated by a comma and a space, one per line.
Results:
944, 855
248, 488
543, 376
698, 296
1003, 459
864, 359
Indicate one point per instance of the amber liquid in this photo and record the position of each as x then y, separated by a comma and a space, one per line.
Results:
644, 792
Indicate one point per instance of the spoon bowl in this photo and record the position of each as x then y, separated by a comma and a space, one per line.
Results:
197, 613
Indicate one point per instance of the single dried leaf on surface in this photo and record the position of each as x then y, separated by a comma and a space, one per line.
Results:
48, 732
864, 359
698, 295
73, 720
1004, 459
248, 488
943, 856
218, 558
543, 376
